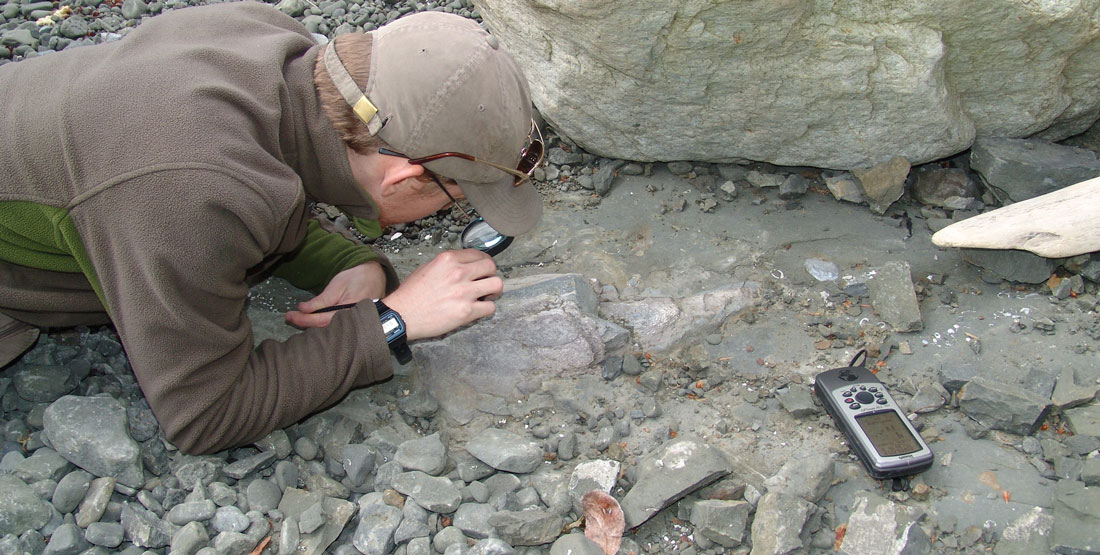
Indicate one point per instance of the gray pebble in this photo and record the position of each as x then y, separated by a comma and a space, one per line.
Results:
105, 534
229, 519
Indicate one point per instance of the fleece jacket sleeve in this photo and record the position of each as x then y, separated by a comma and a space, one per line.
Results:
323, 255
171, 249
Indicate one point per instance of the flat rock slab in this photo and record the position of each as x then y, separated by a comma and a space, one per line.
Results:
881, 527
974, 476
544, 326
678, 468
1059, 224
1085, 420
1076, 518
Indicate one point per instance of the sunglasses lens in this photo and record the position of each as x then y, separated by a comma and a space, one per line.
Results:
530, 159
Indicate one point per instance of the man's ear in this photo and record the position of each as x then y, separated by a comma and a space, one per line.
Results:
396, 173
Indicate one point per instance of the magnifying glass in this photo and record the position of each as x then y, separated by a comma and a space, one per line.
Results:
481, 236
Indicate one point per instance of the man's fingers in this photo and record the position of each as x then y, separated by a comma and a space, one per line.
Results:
305, 320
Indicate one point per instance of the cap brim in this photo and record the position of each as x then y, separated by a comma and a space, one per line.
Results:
510, 210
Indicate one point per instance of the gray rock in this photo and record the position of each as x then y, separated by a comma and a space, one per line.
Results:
469, 468
447, 538
884, 183
192, 470
359, 462
246, 466
144, 529
669, 473
20, 507
778, 524
91, 432
798, 401
414, 524
95, 501
605, 175
337, 512
43, 464
505, 451
1076, 518
722, 522
1010, 265
893, 297
575, 544
420, 404
70, 491
377, 523
544, 326
420, 546
189, 539
232, 543
1019, 169
793, 187
289, 536
807, 476
1090, 472
1084, 420
311, 518
660, 322
954, 375
844, 187
473, 520
532, 527
229, 519
42, 383
438, 495
191, 511
491, 546
599, 475
67, 539
934, 185
929, 398
426, 454
104, 534
878, 526
1028, 534
1002, 406
263, 495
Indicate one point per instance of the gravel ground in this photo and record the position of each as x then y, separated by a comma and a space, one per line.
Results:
387, 472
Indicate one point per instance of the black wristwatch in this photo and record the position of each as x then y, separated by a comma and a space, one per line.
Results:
394, 329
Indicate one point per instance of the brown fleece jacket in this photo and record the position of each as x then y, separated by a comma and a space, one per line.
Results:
152, 179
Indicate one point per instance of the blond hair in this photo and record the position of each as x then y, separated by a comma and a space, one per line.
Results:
354, 50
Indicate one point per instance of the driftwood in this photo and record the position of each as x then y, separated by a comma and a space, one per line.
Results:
1058, 224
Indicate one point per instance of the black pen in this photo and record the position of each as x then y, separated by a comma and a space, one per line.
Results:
333, 307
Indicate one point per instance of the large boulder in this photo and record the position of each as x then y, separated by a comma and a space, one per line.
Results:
804, 82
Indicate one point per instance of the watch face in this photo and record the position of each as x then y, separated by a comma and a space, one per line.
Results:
389, 325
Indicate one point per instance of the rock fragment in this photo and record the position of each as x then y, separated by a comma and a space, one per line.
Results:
883, 184
1019, 169
676, 469
893, 296
722, 522
531, 527
777, 526
881, 527
1001, 406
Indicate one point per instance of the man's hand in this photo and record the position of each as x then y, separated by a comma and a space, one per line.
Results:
365, 281
446, 293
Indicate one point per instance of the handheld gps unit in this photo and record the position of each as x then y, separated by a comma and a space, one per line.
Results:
876, 428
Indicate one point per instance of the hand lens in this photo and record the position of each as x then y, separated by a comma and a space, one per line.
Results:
481, 236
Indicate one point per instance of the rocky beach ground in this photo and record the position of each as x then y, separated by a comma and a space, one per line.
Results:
658, 341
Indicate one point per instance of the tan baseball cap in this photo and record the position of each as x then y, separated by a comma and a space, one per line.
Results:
440, 83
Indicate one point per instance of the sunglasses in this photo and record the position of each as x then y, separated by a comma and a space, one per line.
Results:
529, 158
